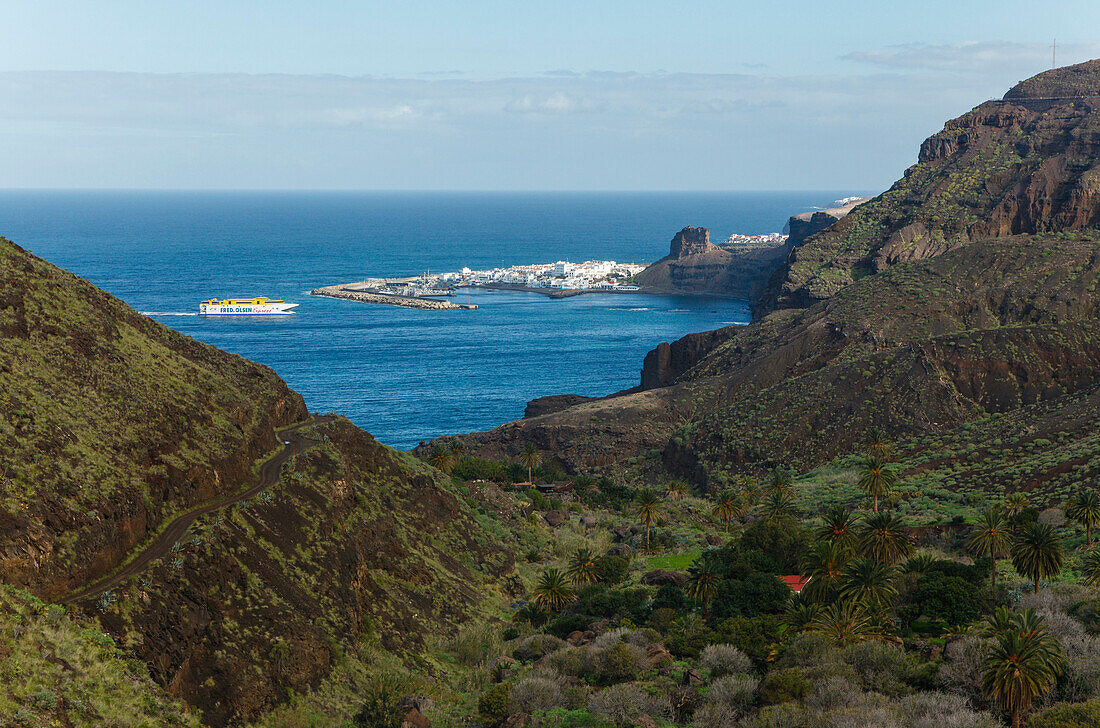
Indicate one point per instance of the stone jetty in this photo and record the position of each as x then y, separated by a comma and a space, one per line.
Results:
355, 292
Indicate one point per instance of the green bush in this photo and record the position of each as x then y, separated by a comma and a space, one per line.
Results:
1068, 715
780, 686
618, 663
612, 569
379, 708
492, 706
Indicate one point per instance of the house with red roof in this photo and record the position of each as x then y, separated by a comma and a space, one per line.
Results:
796, 583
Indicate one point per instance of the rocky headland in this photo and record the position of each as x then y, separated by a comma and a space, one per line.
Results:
961, 299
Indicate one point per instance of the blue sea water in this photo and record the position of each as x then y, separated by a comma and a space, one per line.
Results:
404, 375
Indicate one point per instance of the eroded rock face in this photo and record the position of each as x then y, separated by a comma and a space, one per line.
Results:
691, 241
694, 265
1027, 164
668, 362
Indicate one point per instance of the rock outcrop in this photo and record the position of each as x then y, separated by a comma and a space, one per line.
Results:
552, 403
695, 265
1025, 164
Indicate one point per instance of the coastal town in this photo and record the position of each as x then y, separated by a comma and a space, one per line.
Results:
560, 279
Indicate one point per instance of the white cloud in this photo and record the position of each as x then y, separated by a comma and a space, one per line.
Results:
975, 57
589, 131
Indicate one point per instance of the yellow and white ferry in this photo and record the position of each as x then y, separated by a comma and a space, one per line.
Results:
262, 306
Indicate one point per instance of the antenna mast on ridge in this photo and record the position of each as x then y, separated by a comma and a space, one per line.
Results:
1053, 52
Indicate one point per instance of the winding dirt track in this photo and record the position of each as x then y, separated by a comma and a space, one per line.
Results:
177, 528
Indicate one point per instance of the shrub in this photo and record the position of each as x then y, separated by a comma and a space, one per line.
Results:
612, 569
609, 638
725, 660
618, 663
1079, 715
880, 667
714, 715
788, 715
669, 596
736, 692
752, 635
536, 692
492, 706
44, 700
475, 645
808, 650
756, 594
532, 648
937, 710
961, 671
835, 693
622, 704
379, 708
780, 686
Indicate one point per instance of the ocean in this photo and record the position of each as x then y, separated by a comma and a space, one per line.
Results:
404, 375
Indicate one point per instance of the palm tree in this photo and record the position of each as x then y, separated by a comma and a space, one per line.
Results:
648, 506
800, 613
552, 591
781, 480
990, 537
1090, 567
702, 583
843, 623
878, 446
1085, 509
443, 459
823, 568
530, 458
884, 537
727, 507
920, 564
839, 527
1037, 553
1022, 665
582, 568
778, 506
1015, 504
676, 490
877, 480
871, 583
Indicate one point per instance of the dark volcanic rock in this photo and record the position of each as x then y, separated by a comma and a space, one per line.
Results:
552, 403
665, 364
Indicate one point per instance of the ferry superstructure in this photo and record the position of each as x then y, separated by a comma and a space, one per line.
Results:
262, 306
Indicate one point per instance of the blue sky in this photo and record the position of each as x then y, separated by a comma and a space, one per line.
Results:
503, 95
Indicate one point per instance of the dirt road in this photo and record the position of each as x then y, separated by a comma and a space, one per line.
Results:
267, 476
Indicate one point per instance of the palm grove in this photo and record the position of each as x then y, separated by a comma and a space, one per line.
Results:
863, 583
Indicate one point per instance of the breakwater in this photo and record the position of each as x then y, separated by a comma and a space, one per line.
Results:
351, 293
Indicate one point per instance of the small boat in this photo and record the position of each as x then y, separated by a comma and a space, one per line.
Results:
262, 306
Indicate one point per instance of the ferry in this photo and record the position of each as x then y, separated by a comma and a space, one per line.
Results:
262, 306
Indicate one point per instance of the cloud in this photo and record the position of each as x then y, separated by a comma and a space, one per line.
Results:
555, 103
595, 130
974, 57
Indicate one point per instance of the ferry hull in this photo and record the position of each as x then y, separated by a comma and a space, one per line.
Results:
271, 309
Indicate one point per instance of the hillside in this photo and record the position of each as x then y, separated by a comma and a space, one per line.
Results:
965, 293
112, 426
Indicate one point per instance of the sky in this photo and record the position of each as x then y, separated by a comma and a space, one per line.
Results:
493, 95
